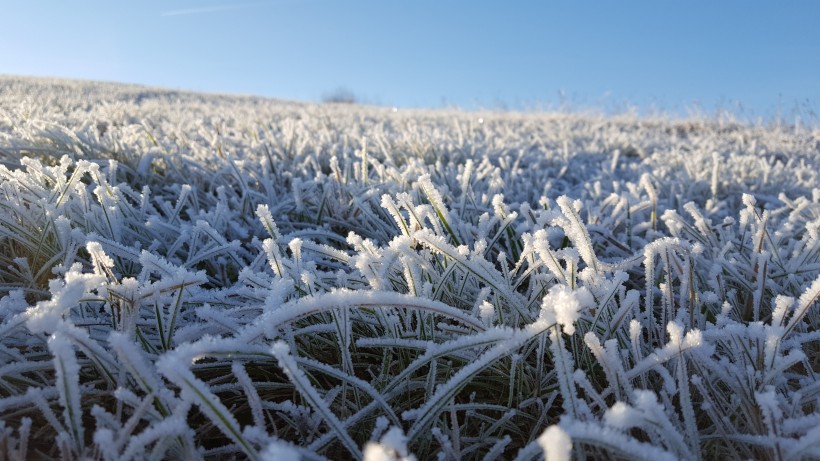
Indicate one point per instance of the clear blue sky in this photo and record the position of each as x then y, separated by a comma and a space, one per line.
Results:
673, 54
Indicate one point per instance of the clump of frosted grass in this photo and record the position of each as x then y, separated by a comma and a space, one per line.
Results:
257, 279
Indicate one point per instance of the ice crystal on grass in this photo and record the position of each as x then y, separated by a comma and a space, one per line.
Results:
391, 447
565, 304
249, 278
556, 443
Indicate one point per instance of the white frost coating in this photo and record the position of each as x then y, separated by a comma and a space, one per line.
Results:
806, 446
692, 340
295, 246
808, 299
352, 380
391, 447
635, 332
253, 397
615, 441
480, 267
174, 236
393, 209
770, 408
266, 218
576, 231
303, 307
556, 443
486, 312
550, 258
657, 420
749, 200
564, 373
782, 306
675, 331
165, 429
713, 186
279, 451
68, 383
134, 360
622, 416
491, 336
567, 305
102, 262
433, 194
444, 392
271, 249
11, 305
175, 367
47, 315
610, 361
281, 351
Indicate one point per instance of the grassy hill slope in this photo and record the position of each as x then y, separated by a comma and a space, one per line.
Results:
193, 276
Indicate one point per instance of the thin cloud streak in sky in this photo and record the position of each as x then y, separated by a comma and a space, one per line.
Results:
208, 9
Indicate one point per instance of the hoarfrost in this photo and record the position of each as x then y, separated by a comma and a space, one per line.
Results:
202, 277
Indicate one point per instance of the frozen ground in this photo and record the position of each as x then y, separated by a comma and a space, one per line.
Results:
191, 276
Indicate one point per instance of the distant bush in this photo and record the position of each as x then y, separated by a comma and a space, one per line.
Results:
340, 95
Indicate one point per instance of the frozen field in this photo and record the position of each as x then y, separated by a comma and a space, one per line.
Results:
188, 276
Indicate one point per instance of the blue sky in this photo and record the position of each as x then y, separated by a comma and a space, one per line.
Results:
752, 57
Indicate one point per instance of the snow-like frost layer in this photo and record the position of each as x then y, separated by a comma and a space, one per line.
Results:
186, 276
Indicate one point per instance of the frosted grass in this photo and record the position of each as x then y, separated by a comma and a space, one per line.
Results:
188, 276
